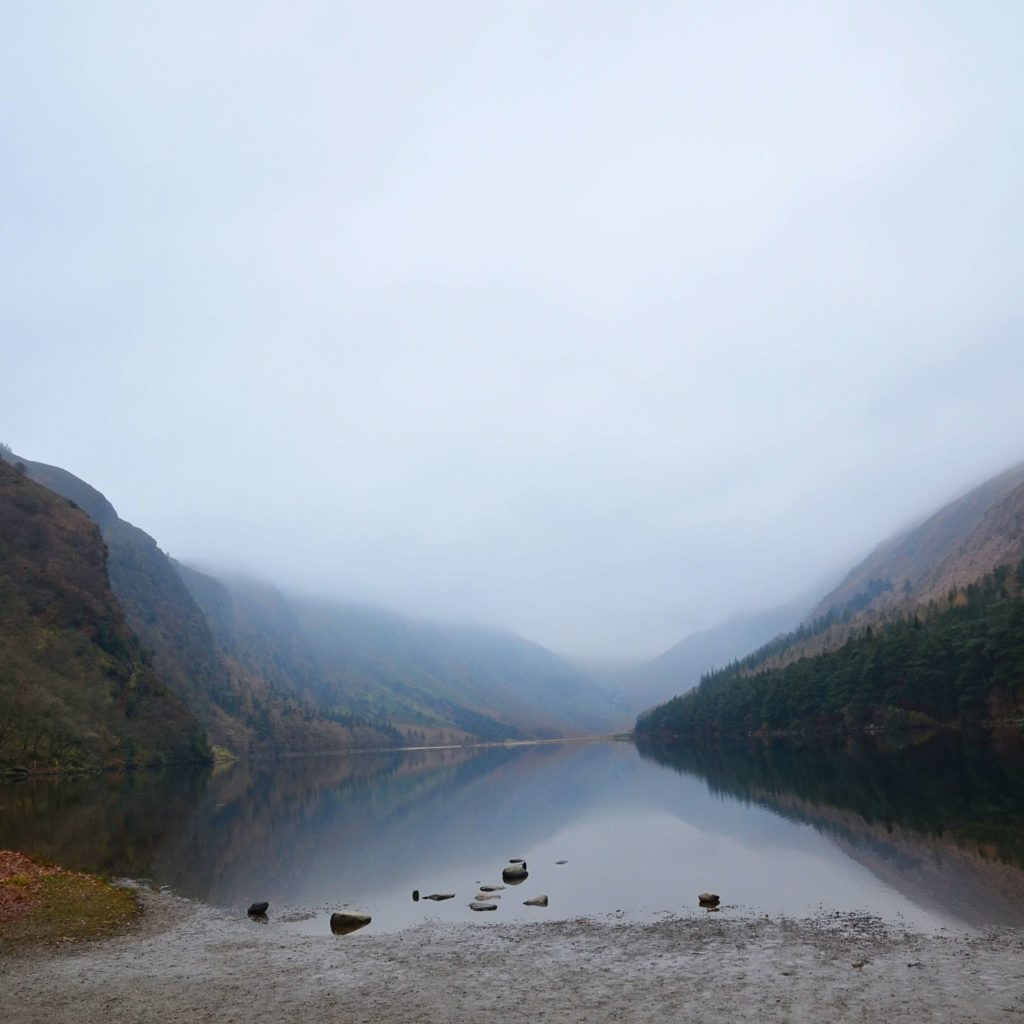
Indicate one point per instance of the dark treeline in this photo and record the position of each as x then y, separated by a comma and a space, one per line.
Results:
961, 659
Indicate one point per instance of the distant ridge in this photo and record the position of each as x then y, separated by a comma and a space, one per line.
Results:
267, 673
963, 541
680, 667
927, 629
241, 713
438, 683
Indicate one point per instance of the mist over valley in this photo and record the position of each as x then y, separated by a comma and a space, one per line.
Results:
511, 511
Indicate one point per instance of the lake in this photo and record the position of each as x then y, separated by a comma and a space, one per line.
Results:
929, 833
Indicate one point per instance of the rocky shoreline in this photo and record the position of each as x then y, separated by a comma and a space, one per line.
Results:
185, 961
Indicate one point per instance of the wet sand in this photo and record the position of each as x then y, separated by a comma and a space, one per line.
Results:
186, 962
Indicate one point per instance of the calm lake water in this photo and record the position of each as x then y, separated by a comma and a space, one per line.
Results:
930, 834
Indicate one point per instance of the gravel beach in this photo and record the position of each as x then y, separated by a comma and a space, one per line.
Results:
188, 962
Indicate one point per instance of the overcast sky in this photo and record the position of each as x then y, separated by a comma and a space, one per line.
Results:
595, 321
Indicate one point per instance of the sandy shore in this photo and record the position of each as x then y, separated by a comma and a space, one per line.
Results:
187, 962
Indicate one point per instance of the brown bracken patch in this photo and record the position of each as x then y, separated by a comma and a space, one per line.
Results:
43, 903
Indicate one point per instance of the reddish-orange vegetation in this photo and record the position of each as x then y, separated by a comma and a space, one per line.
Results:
45, 904
20, 884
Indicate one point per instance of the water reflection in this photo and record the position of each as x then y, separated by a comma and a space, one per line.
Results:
930, 833
938, 817
109, 824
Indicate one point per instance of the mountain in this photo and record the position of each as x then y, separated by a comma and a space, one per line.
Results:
680, 667
956, 660
243, 713
963, 541
929, 628
156, 604
438, 683
77, 689
463, 672
270, 673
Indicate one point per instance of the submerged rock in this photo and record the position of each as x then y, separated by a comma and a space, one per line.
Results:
537, 901
345, 922
485, 896
561, 862
491, 888
257, 909
416, 895
516, 860
437, 896
477, 905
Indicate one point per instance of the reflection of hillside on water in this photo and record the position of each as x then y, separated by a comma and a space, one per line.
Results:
939, 818
110, 824
297, 829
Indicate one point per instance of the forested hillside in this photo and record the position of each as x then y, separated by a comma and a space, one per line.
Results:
960, 657
77, 690
910, 574
267, 674
243, 712
261, 645
437, 683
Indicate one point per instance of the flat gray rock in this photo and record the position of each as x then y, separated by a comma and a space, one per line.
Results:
477, 905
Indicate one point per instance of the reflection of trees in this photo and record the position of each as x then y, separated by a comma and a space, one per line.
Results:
271, 825
276, 824
968, 788
196, 824
111, 824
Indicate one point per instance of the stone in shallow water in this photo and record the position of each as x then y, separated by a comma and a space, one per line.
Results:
483, 897
709, 899
477, 905
561, 862
515, 873
516, 860
437, 896
537, 901
491, 888
258, 908
345, 923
